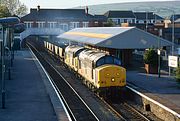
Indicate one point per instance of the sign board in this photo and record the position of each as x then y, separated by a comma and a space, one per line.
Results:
159, 52
178, 51
173, 61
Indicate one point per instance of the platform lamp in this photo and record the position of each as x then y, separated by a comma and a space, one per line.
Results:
5, 23
17, 28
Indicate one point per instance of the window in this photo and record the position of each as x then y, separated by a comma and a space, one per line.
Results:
122, 20
117, 61
115, 20
28, 24
41, 24
109, 60
129, 20
125, 20
63, 26
74, 25
96, 22
51, 24
100, 62
85, 24
141, 21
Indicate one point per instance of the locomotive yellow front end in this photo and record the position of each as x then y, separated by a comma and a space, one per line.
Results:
110, 76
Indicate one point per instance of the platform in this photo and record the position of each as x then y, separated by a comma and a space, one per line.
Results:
27, 98
164, 90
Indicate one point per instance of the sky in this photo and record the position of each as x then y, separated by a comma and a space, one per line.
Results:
73, 3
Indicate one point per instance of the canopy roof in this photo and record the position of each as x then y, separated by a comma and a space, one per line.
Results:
115, 37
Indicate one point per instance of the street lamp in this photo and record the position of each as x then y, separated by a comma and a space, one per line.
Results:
146, 21
172, 23
173, 33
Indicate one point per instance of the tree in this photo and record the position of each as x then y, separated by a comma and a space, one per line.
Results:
109, 23
15, 7
4, 12
151, 57
22, 10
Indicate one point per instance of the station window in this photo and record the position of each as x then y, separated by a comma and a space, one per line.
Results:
41, 24
74, 25
51, 24
85, 24
63, 26
28, 24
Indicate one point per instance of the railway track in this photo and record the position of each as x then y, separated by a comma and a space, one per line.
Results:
128, 112
123, 110
76, 106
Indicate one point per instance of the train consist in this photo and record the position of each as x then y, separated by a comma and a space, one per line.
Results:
100, 71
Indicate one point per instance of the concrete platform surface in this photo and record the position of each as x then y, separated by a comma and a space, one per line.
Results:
26, 96
165, 89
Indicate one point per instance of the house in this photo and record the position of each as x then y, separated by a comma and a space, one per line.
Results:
99, 20
150, 17
176, 16
119, 17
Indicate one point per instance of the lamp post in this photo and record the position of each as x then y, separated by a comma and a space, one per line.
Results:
159, 53
146, 21
173, 34
172, 26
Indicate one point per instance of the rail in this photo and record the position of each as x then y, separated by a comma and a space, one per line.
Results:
76, 106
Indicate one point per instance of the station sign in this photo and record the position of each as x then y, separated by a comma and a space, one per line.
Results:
178, 51
173, 61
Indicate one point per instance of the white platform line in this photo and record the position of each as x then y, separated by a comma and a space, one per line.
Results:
69, 118
155, 102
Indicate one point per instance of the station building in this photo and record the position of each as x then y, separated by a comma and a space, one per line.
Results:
64, 19
117, 41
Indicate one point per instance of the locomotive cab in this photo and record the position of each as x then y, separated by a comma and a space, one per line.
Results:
109, 73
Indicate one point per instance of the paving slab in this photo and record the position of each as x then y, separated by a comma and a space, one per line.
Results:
166, 88
26, 96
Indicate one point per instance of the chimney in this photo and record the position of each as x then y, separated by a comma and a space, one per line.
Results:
87, 10
38, 8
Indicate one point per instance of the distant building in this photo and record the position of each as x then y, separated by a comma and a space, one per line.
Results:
167, 34
119, 17
99, 20
65, 19
149, 17
176, 16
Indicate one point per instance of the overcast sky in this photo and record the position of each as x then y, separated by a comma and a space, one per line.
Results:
73, 3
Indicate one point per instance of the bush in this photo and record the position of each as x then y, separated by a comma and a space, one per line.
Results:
151, 57
177, 72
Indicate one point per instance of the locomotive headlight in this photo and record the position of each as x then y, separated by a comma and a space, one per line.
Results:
113, 80
117, 74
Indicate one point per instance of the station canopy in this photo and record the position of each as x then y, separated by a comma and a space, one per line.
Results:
115, 37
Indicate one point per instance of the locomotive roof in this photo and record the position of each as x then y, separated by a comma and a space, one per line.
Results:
91, 55
73, 48
57, 43
115, 37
